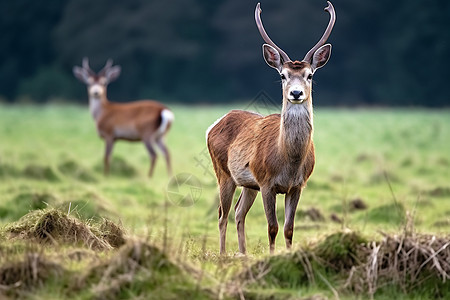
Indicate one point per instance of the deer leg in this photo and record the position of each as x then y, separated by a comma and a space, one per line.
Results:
109, 143
241, 208
269, 199
162, 146
227, 188
290, 206
152, 153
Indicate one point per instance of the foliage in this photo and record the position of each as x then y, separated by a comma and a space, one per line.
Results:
203, 51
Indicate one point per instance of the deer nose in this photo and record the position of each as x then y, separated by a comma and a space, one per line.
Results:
296, 94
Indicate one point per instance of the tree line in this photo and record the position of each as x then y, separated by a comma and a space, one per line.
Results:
200, 51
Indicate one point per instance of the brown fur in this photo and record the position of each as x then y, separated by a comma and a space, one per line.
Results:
135, 121
272, 154
145, 116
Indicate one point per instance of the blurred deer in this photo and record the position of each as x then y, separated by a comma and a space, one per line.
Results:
146, 121
272, 154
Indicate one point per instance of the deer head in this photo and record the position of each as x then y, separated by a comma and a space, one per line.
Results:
296, 76
97, 82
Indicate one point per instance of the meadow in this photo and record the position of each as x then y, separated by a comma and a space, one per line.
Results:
378, 171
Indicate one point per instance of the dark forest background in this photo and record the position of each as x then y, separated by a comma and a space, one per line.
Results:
384, 52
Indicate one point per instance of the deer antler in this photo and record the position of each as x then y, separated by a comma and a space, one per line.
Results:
326, 34
86, 66
264, 35
107, 66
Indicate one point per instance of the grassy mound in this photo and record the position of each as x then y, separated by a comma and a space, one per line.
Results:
72, 169
55, 227
40, 173
341, 250
291, 270
405, 264
7, 170
31, 272
393, 213
141, 269
112, 233
118, 167
24, 203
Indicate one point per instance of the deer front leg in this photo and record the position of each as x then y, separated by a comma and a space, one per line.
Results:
227, 188
269, 199
109, 143
290, 206
242, 207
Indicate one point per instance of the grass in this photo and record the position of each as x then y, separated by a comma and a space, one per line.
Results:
397, 162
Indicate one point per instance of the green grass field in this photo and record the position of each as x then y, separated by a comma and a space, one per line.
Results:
397, 162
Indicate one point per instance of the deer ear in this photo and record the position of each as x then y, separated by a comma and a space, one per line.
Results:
272, 57
111, 74
321, 56
81, 74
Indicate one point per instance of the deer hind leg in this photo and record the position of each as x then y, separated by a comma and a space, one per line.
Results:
269, 199
226, 190
290, 206
242, 207
165, 151
109, 143
153, 155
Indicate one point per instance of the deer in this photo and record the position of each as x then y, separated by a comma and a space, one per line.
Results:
271, 154
145, 120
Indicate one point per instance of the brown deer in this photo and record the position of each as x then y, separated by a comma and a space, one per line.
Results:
272, 154
146, 121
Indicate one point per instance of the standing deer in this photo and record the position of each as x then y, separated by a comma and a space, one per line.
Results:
272, 154
146, 121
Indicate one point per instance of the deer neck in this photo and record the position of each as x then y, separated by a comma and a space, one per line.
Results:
296, 130
97, 105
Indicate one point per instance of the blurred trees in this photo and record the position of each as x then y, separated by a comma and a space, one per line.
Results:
384, 52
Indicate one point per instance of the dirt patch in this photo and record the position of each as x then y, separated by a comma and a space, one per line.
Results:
312, 213
335, 218
357, 204
441, 191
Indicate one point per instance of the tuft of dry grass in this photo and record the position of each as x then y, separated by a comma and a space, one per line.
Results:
51, 226
406, 260
112, 233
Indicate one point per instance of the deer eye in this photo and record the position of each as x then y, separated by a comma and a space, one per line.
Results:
309, 76
282, 77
